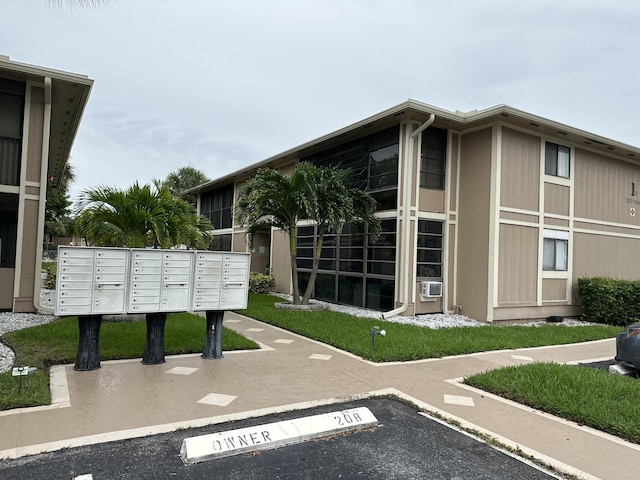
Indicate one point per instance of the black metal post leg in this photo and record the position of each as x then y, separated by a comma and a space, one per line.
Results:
213, 338
154, 348
88, 356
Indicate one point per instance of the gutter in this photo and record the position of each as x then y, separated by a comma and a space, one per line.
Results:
43, 197
406, 228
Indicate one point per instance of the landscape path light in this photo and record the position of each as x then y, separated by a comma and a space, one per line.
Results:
376, 331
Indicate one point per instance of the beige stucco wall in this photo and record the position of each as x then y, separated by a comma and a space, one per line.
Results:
600, 255
603, 188
431, 200
554, 290
519, 170
23, 298
239, 242
6, 291
473, 218
260, 252
518, 265
281, 261
556, 199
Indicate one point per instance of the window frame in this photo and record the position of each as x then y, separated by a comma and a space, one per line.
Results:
425, 248
555, 239
552, 160
433, 158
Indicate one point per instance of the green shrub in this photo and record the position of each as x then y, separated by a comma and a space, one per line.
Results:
607, 300
261, 283
50, 281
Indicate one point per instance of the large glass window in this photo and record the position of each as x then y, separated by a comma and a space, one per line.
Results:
217, 206
8, 229
221, 243
555, 251
556, 160
373, 161
433, 157
11, 108
429, 253
352, 270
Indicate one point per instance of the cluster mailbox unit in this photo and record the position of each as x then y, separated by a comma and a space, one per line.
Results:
95, 281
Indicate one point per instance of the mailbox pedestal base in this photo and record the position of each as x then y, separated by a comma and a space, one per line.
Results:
154, 348
213, 339
88, 357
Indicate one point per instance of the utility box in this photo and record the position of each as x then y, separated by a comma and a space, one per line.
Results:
221, 281
160, 280
91, 281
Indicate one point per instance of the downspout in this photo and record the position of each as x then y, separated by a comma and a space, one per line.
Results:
406, 227
43, 197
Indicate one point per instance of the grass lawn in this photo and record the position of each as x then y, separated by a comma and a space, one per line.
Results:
410, 342
46, 265
588, 396
57, 343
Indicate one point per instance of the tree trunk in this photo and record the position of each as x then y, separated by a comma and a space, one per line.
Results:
314, 270
213, 339
88, 357
154, 348
294, 267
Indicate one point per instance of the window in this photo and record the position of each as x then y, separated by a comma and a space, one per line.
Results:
429, 254
555, 250
221, 243
217, 205
11, 106
556, 160
352, 270
433, 156
373, 161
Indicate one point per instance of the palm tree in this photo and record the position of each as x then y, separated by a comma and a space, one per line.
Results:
335, 204
140, 216
271, 199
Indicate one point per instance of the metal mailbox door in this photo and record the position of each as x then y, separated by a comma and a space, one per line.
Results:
145, 279
74, 291
235, 281
177, 273
207, 285
91, 280
110, 267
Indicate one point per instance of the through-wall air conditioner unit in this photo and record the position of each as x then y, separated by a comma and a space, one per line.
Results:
430, 290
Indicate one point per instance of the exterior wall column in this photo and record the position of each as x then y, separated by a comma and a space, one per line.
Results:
30, 200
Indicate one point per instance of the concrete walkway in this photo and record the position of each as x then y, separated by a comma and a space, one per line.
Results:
126, 399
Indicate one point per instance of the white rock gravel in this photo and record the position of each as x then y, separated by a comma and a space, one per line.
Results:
16, 321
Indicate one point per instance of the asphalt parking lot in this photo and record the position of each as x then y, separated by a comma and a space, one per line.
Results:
405, 445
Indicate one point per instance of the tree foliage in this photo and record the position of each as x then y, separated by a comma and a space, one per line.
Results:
322, 195
58, 221
140, 216
183, 179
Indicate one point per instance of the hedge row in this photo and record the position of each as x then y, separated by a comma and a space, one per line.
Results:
607, 300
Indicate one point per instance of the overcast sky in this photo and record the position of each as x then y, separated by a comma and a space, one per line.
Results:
219, 85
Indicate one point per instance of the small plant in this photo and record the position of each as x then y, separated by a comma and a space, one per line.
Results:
261, 283
50, 281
